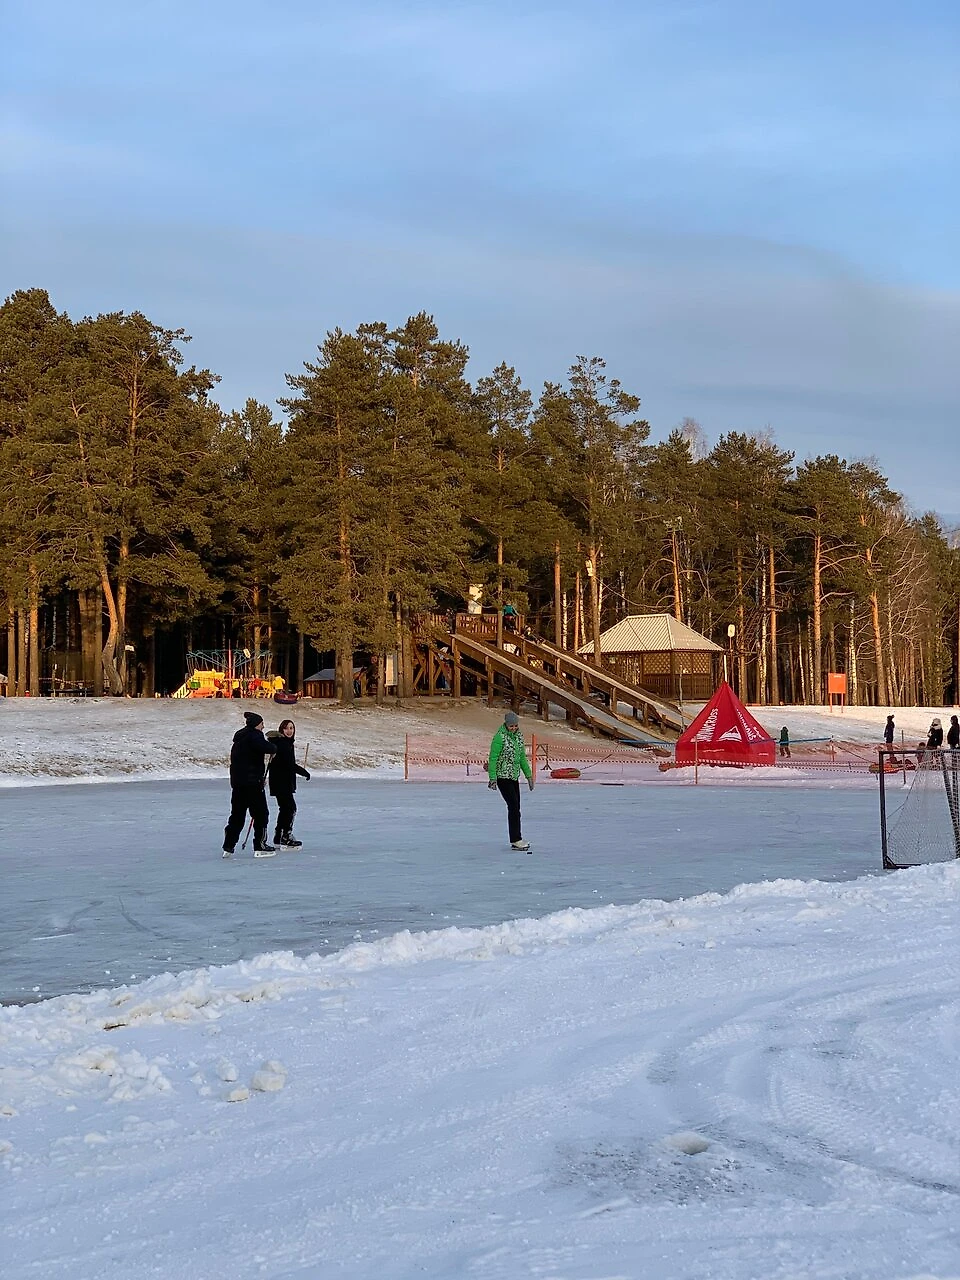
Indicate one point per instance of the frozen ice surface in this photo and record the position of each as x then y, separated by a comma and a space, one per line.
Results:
115, 883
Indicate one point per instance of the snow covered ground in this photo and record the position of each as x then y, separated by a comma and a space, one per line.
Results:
741, 1082
100, 739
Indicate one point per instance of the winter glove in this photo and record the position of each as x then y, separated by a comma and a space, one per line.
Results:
492, 784
530, 783
307, 777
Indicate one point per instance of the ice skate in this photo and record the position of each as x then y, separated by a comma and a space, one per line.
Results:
522, 845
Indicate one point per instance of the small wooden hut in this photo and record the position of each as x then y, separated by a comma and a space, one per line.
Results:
660, 654
323, 684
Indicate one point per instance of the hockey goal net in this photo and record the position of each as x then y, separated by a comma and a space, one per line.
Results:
919, 807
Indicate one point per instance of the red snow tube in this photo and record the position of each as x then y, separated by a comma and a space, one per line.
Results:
565, 773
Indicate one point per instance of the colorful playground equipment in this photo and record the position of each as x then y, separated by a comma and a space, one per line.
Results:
230, 673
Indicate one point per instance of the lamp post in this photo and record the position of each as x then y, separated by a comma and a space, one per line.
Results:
731, 632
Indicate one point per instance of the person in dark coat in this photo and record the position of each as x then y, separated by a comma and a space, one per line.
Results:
284, 772
888, 731
953, 733
785, 742
935, 736
247, 776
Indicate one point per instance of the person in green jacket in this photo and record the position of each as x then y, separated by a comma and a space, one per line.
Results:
508, 759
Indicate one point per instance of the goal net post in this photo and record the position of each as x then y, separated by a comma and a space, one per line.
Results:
919, 806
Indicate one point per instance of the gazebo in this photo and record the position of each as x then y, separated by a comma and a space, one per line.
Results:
658, 653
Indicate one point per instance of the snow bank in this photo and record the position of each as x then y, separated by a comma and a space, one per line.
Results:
755, 1084
110, 739
47, 740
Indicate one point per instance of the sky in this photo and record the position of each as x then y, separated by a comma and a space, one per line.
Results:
747, 208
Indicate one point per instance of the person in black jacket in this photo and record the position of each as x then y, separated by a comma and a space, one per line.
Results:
247, 776
888, 731
283, 783
935, 736
953, 733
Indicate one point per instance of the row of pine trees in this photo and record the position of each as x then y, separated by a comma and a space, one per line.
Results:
134, 506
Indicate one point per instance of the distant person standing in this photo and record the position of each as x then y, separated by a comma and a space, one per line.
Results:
935, 736
284, 772
888, 731
953, 733
248, 754
508, 759
785, 742
509, 618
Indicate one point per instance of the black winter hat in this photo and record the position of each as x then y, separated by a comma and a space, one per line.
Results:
252, 719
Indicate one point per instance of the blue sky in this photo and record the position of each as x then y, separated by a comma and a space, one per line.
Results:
748, 209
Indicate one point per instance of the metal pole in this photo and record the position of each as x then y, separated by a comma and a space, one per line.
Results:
887, 864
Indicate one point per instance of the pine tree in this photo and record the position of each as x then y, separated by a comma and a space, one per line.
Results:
132, 493
328, 498
35, 343
592, 445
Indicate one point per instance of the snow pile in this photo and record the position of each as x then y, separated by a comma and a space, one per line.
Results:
757, 1084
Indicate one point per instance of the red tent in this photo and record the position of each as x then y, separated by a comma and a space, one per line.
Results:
725, 733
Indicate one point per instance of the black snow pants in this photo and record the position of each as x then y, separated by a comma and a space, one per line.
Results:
243, 800
286, 812
509, 788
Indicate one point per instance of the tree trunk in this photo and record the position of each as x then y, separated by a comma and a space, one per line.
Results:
740, 651
109, 651
677, 601
381, 677
577, 612
817, 657
11, 648
761, 681
121, 652
34, 656
772, 605
398, 651
558, 622
91, 641
21, 654
594, 560
499, 593
895, 671
882, 691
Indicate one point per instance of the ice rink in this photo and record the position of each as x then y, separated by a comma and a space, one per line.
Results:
113, 883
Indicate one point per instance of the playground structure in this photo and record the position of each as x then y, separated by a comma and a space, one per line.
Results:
461, 654
230, 673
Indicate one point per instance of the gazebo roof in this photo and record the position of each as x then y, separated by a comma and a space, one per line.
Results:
651, 633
